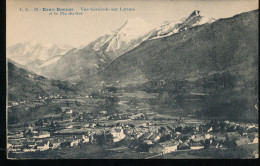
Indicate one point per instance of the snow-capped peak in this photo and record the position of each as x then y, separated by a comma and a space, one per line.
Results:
130, 34
194, 19
134, 29
32, 51
195, 13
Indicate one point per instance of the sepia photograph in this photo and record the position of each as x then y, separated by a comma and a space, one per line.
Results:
132, 79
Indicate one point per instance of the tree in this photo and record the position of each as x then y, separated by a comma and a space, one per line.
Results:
111, 89
178, 129
48, 101
39, 122
77, 103
101, 139
162, 129
67, 103
111, 105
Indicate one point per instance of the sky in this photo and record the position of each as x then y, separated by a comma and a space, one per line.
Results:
79, 30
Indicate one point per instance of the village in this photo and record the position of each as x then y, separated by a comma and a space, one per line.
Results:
118, 122
141, 132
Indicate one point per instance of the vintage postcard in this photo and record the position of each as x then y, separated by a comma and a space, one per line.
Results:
121, 79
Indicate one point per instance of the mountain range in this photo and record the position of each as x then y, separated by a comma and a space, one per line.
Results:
205, 48
34, 54
78, 63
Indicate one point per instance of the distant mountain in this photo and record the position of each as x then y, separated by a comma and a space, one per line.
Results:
79, 63
23, 84
34, 54
99, 53
219, 60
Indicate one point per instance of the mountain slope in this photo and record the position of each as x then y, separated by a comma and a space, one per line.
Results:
79, 63
210, 47
23, 84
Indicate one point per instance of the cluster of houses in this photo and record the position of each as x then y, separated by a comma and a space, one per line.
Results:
68, 113
54, 96
200, 137
118, 117
24, 104
40, 141
39, 98
145, 137
15, 103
